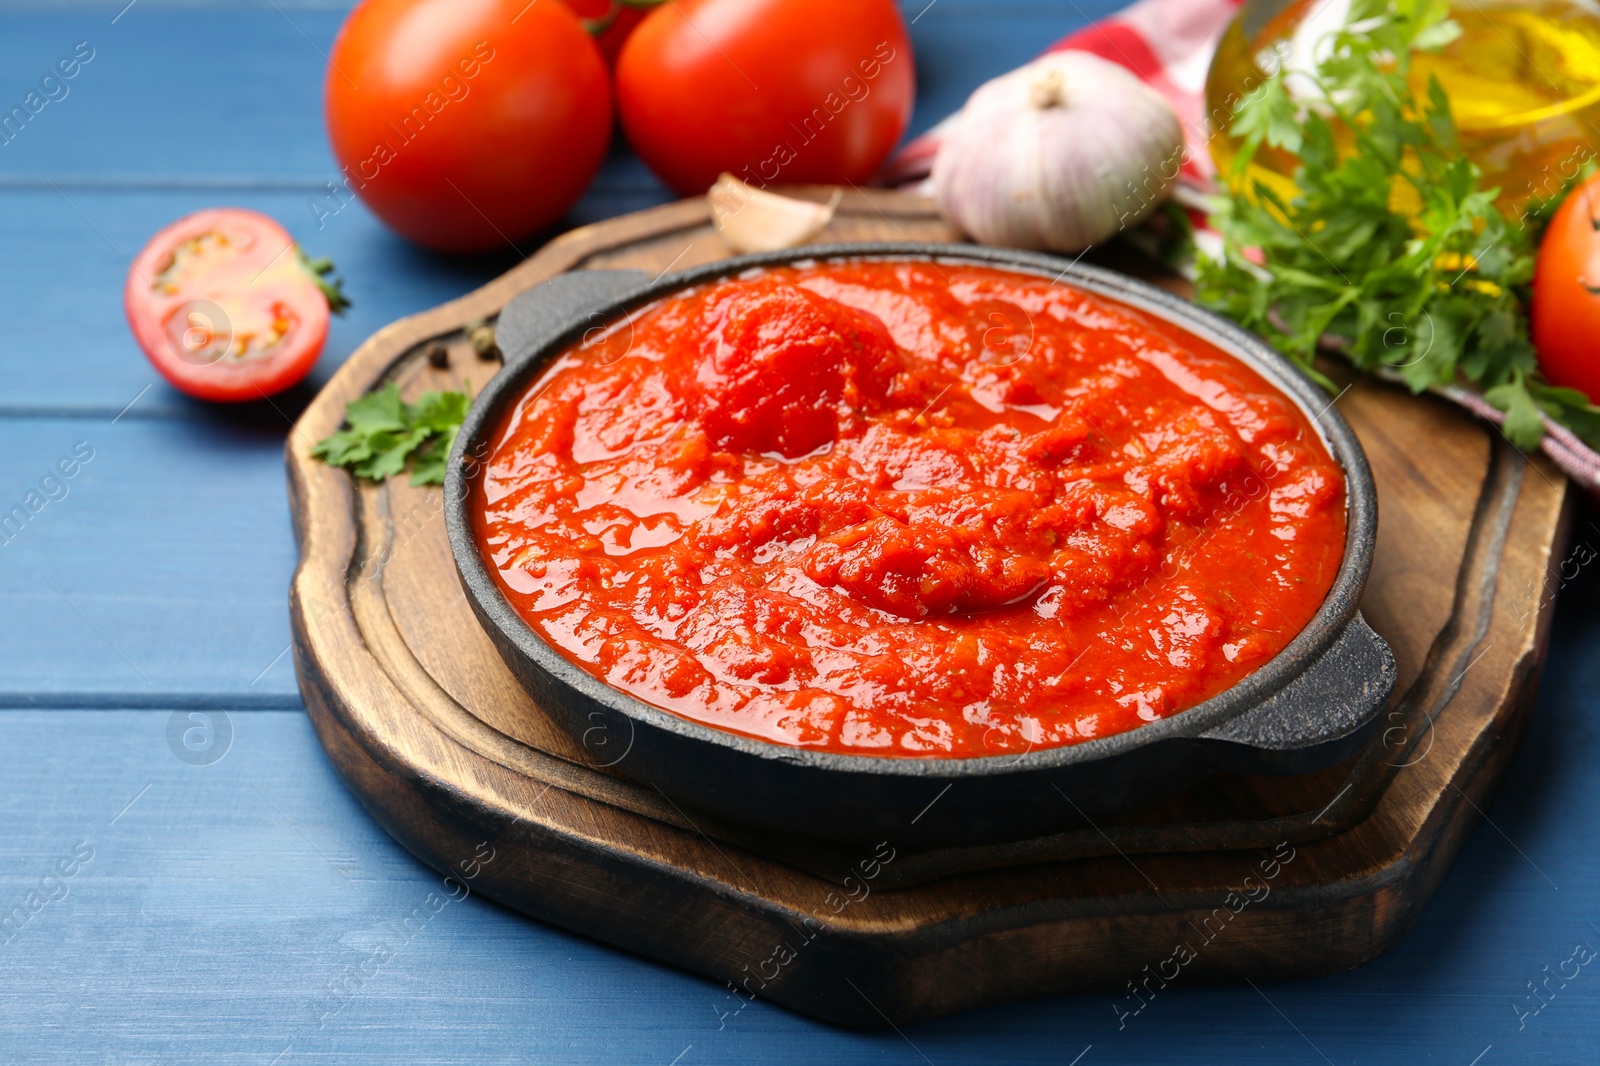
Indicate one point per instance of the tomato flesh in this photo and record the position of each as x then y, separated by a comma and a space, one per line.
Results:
223, 308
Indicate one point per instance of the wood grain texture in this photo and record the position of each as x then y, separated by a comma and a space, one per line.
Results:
441, 746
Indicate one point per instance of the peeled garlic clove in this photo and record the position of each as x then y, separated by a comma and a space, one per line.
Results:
1059, 155
754, 220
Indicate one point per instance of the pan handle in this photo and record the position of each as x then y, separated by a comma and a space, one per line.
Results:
542, 313
1320, 718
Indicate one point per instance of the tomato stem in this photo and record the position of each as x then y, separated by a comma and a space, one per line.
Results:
598, 26
332, 288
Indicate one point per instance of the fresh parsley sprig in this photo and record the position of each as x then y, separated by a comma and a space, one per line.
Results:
1391, 246
382, 433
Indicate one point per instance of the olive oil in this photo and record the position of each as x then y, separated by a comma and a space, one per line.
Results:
1523, 81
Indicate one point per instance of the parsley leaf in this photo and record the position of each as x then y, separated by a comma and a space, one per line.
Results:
382, 432
1389, 245
1522, 414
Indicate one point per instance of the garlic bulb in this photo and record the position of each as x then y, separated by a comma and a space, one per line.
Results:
1060, 154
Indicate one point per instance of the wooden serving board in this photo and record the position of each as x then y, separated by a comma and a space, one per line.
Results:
1258, 878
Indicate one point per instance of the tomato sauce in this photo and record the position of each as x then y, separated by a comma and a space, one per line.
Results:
909, 509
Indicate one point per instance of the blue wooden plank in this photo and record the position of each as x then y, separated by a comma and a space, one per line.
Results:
136, 112
161, 568
172, 91
65, 347
960, 44
160, 98
96, 173
233, 904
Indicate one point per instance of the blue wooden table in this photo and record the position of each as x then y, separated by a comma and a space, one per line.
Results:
170, 906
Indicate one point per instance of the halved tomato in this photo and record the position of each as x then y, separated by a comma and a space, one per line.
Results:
227, 307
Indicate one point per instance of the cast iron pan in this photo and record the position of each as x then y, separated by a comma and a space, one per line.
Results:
1315, 704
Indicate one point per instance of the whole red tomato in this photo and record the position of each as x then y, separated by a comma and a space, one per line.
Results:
610, 22
1566, 293
771, 90
466, 124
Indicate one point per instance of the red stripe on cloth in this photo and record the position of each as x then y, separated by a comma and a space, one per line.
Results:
1112, 40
